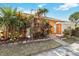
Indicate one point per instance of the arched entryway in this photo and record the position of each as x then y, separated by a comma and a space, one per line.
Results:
58, 28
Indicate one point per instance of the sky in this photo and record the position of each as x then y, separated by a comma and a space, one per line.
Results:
60, 11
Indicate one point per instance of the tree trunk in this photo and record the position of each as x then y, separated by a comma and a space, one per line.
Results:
6, 33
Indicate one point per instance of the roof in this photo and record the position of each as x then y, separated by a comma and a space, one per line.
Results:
49, 18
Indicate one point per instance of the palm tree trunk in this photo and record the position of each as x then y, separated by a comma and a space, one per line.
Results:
6, 33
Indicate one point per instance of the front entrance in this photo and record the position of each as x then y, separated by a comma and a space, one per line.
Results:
58, 28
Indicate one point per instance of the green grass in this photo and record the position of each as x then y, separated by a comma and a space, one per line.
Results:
27, 49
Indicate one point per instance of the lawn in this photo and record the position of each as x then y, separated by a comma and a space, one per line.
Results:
27, 49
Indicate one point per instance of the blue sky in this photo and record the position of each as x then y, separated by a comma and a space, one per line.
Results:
60, 11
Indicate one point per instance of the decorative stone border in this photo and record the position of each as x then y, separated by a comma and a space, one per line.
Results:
27, 42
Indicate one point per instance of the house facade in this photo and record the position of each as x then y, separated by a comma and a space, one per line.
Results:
58, 26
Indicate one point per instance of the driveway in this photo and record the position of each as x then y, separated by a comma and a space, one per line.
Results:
64, 50
60, 51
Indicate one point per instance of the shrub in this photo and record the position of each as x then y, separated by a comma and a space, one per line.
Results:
67, 32
77, 28
75, 32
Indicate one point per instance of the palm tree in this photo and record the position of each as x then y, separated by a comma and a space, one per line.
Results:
22, 24
9, 20
45, 11
42, 11
74, 18
7, 15
45, 25
38, 22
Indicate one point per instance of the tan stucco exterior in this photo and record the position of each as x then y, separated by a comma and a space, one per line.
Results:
56, 26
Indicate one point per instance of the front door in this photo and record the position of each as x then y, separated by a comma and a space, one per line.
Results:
58, 28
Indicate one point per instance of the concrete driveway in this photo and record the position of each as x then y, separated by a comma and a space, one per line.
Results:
60, 51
